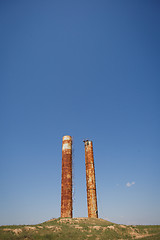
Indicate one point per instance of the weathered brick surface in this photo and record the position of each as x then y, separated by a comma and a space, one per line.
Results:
90, 180
66, 183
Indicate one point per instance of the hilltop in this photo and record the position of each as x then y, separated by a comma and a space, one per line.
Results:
79, 228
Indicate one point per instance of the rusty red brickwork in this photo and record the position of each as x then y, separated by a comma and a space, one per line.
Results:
90, 180
66, 183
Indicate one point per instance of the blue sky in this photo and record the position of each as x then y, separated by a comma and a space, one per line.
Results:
89, 69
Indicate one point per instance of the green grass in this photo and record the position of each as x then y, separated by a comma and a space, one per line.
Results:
79, 229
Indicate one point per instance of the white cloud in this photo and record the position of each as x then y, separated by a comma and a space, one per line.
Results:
129, 184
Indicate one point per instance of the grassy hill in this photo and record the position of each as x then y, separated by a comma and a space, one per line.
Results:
77, 229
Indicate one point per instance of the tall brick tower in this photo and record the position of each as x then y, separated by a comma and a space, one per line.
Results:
66, 183
90, 180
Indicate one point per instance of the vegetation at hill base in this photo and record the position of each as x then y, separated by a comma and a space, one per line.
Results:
79, 228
